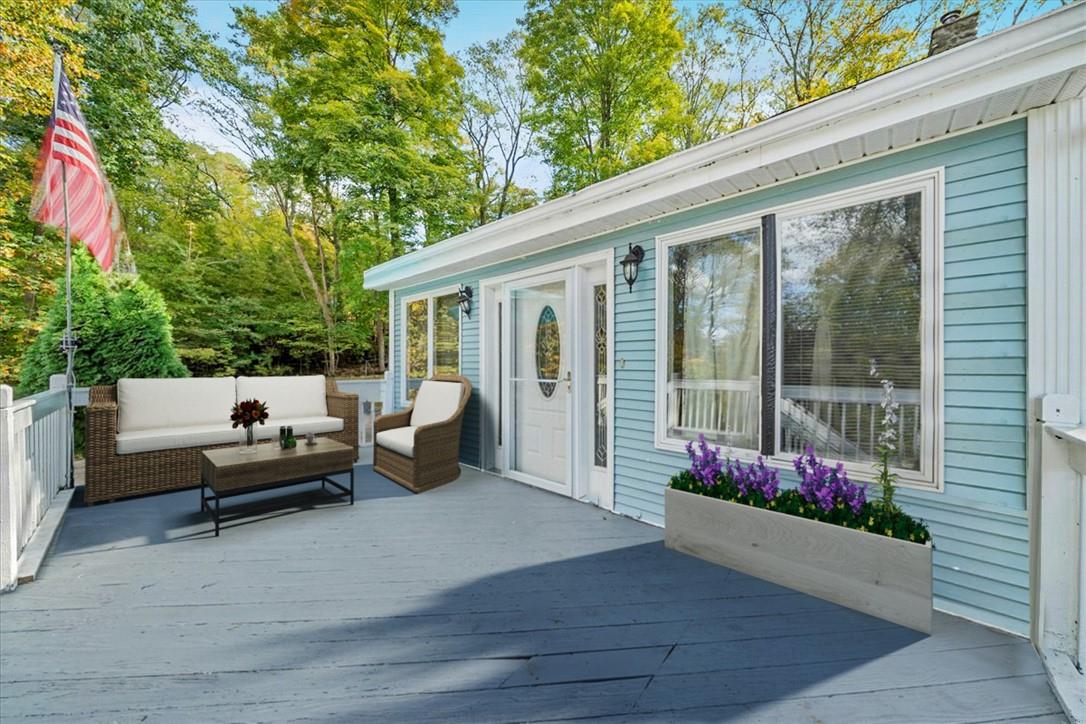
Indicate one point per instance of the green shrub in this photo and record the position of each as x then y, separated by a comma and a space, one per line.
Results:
122, 325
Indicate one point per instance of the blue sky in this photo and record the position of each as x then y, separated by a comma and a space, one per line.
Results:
477, 21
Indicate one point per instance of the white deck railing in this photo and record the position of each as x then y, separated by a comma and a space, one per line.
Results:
33, 468
374, 397
720, 409
846, 421
841, 421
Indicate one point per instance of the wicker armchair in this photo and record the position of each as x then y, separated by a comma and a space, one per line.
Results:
111, 476
434, 447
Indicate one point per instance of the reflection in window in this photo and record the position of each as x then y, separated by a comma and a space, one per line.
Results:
447, 335
418, 348
850, 293
714, 338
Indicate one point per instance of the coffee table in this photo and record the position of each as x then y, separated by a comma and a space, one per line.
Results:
226, 472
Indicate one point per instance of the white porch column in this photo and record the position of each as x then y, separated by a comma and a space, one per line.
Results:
1057, 366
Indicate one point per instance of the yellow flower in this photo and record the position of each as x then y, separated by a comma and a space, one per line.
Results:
889, 532
871, 520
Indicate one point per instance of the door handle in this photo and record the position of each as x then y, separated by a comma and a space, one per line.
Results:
569, 380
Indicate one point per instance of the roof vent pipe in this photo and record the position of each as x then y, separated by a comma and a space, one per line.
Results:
954, 29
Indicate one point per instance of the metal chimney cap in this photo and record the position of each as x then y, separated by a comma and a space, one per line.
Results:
949, 17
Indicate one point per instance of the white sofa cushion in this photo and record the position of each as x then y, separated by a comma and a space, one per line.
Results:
435, 402
286, 397
301, 425
152, 404
399, 439
169, 438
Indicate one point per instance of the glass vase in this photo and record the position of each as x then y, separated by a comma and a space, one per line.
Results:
247, 444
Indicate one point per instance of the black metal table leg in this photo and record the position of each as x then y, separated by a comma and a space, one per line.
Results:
352, 485
216, 515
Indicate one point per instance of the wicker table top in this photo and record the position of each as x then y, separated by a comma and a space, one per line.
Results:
227, 469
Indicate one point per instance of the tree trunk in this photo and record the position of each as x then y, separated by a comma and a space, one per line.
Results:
379, 335
330, 362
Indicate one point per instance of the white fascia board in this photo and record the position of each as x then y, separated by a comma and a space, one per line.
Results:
1018, 56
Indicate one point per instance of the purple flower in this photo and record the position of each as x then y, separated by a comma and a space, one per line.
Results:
827, 487
706, 464
754, 478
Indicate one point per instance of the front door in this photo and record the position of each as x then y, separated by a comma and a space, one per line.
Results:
537, 370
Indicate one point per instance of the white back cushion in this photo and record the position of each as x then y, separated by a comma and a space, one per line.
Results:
435, 402
286, 396
149, 404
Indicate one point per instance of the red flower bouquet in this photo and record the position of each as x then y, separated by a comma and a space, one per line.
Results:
248, 412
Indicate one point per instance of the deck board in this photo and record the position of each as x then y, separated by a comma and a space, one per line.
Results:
485, 600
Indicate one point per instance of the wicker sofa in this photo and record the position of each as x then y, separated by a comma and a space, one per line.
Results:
146, 435
419, 447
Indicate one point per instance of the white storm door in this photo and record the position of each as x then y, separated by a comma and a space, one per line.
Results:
537, 370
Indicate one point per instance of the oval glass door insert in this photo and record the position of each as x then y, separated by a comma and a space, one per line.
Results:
548, 350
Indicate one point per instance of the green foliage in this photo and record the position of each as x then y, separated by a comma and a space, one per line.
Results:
600, 77
818, 47
122, 325
872, 518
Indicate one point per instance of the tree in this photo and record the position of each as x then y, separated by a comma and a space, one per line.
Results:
497, 125
122, 326
822, 46
600, 79
350, 111
720, 92
128, 61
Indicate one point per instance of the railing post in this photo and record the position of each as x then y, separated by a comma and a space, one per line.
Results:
57, 383
13, 472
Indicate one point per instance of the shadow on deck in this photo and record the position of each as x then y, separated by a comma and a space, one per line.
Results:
483, 600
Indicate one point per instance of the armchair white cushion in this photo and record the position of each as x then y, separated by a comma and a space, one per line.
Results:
436, 401
399, 440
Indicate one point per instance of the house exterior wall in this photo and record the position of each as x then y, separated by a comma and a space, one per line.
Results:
978, 520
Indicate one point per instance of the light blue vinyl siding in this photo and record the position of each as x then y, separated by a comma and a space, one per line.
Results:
979, 520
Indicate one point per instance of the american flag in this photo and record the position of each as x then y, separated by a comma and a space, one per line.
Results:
92, 211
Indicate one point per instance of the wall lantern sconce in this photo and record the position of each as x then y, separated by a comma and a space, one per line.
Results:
631, 262
464, 297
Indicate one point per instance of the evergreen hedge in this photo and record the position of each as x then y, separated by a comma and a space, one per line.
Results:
122, 325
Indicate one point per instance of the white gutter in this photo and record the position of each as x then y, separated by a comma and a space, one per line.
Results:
1050, 44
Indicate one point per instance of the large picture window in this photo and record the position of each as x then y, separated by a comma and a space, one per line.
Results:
431, 339
852, 285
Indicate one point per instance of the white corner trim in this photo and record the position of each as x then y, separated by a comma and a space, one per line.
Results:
1056, 364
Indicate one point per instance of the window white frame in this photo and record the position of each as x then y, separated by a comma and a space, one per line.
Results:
664, 244
429, 296
930, 185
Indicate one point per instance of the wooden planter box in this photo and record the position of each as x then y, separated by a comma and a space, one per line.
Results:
884, 577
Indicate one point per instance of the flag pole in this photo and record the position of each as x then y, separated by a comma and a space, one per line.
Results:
68, 343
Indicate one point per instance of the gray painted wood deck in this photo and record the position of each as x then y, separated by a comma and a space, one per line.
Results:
485, 600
